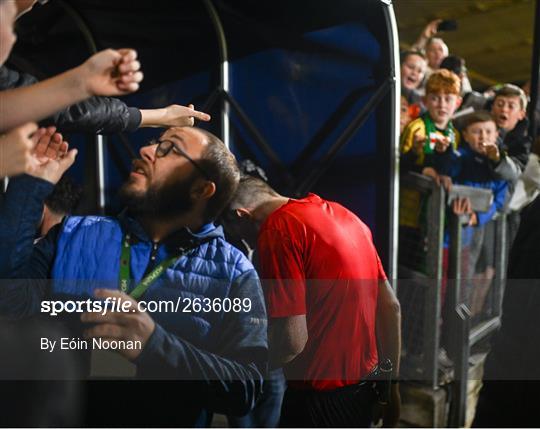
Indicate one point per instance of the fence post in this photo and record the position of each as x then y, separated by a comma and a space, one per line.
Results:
432, 310
501, 253
458, 402
458, 326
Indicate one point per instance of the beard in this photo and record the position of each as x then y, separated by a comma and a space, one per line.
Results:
170, 199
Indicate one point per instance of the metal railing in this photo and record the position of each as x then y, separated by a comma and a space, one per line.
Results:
452, 279
420, 273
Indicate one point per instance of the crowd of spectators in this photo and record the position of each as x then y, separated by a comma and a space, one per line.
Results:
456, 135
453, 134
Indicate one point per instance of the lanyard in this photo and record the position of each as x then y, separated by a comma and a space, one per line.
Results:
151, 277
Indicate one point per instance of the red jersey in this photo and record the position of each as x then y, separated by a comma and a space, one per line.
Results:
317, 258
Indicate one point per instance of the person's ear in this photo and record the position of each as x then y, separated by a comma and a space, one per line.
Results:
204, 190
522, 114
209, 189
458, 102
243, 213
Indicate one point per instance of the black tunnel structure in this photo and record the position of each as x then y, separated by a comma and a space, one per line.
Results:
305, 89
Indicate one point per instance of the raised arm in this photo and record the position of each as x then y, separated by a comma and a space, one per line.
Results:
172, 116
108, 72
20, 213
106, 115
429, 30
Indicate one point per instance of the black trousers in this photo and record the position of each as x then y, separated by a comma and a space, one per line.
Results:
350, 406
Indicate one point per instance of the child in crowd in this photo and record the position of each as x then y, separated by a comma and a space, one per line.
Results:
436, 51
432, 131
457, 65
413, 69
404, 114
470, 166
509, 110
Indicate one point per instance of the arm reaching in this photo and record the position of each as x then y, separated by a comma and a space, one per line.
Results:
430, 30
108, 72
106, 115
172, 116
39, 152
16, 151
22, 208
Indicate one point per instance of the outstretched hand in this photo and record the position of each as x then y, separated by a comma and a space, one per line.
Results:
181, 116
16, 151
111, 72
51, 157
430, 30
172, 116
492, 152
442, 143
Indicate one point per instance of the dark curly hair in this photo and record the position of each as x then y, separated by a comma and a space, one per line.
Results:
65, 197
223, 169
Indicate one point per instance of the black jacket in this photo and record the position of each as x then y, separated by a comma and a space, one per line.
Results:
515, 146
97, 115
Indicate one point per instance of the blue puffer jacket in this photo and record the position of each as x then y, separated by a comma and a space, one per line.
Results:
469, 168
222, 355
466, 167
210, 270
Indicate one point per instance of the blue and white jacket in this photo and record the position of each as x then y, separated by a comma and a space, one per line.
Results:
223, 352
469, 168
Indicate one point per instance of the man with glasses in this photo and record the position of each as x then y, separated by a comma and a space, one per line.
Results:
163, 247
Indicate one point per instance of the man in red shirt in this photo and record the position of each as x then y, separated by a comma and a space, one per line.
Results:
332, 313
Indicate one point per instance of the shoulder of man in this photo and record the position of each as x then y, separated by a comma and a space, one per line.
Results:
288, 217
235, 261
72, 222
12, 79
520, 133
89, 230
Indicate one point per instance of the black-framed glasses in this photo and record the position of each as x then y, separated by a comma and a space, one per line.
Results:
164, 147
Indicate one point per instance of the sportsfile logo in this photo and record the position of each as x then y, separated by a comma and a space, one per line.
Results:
182, 305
